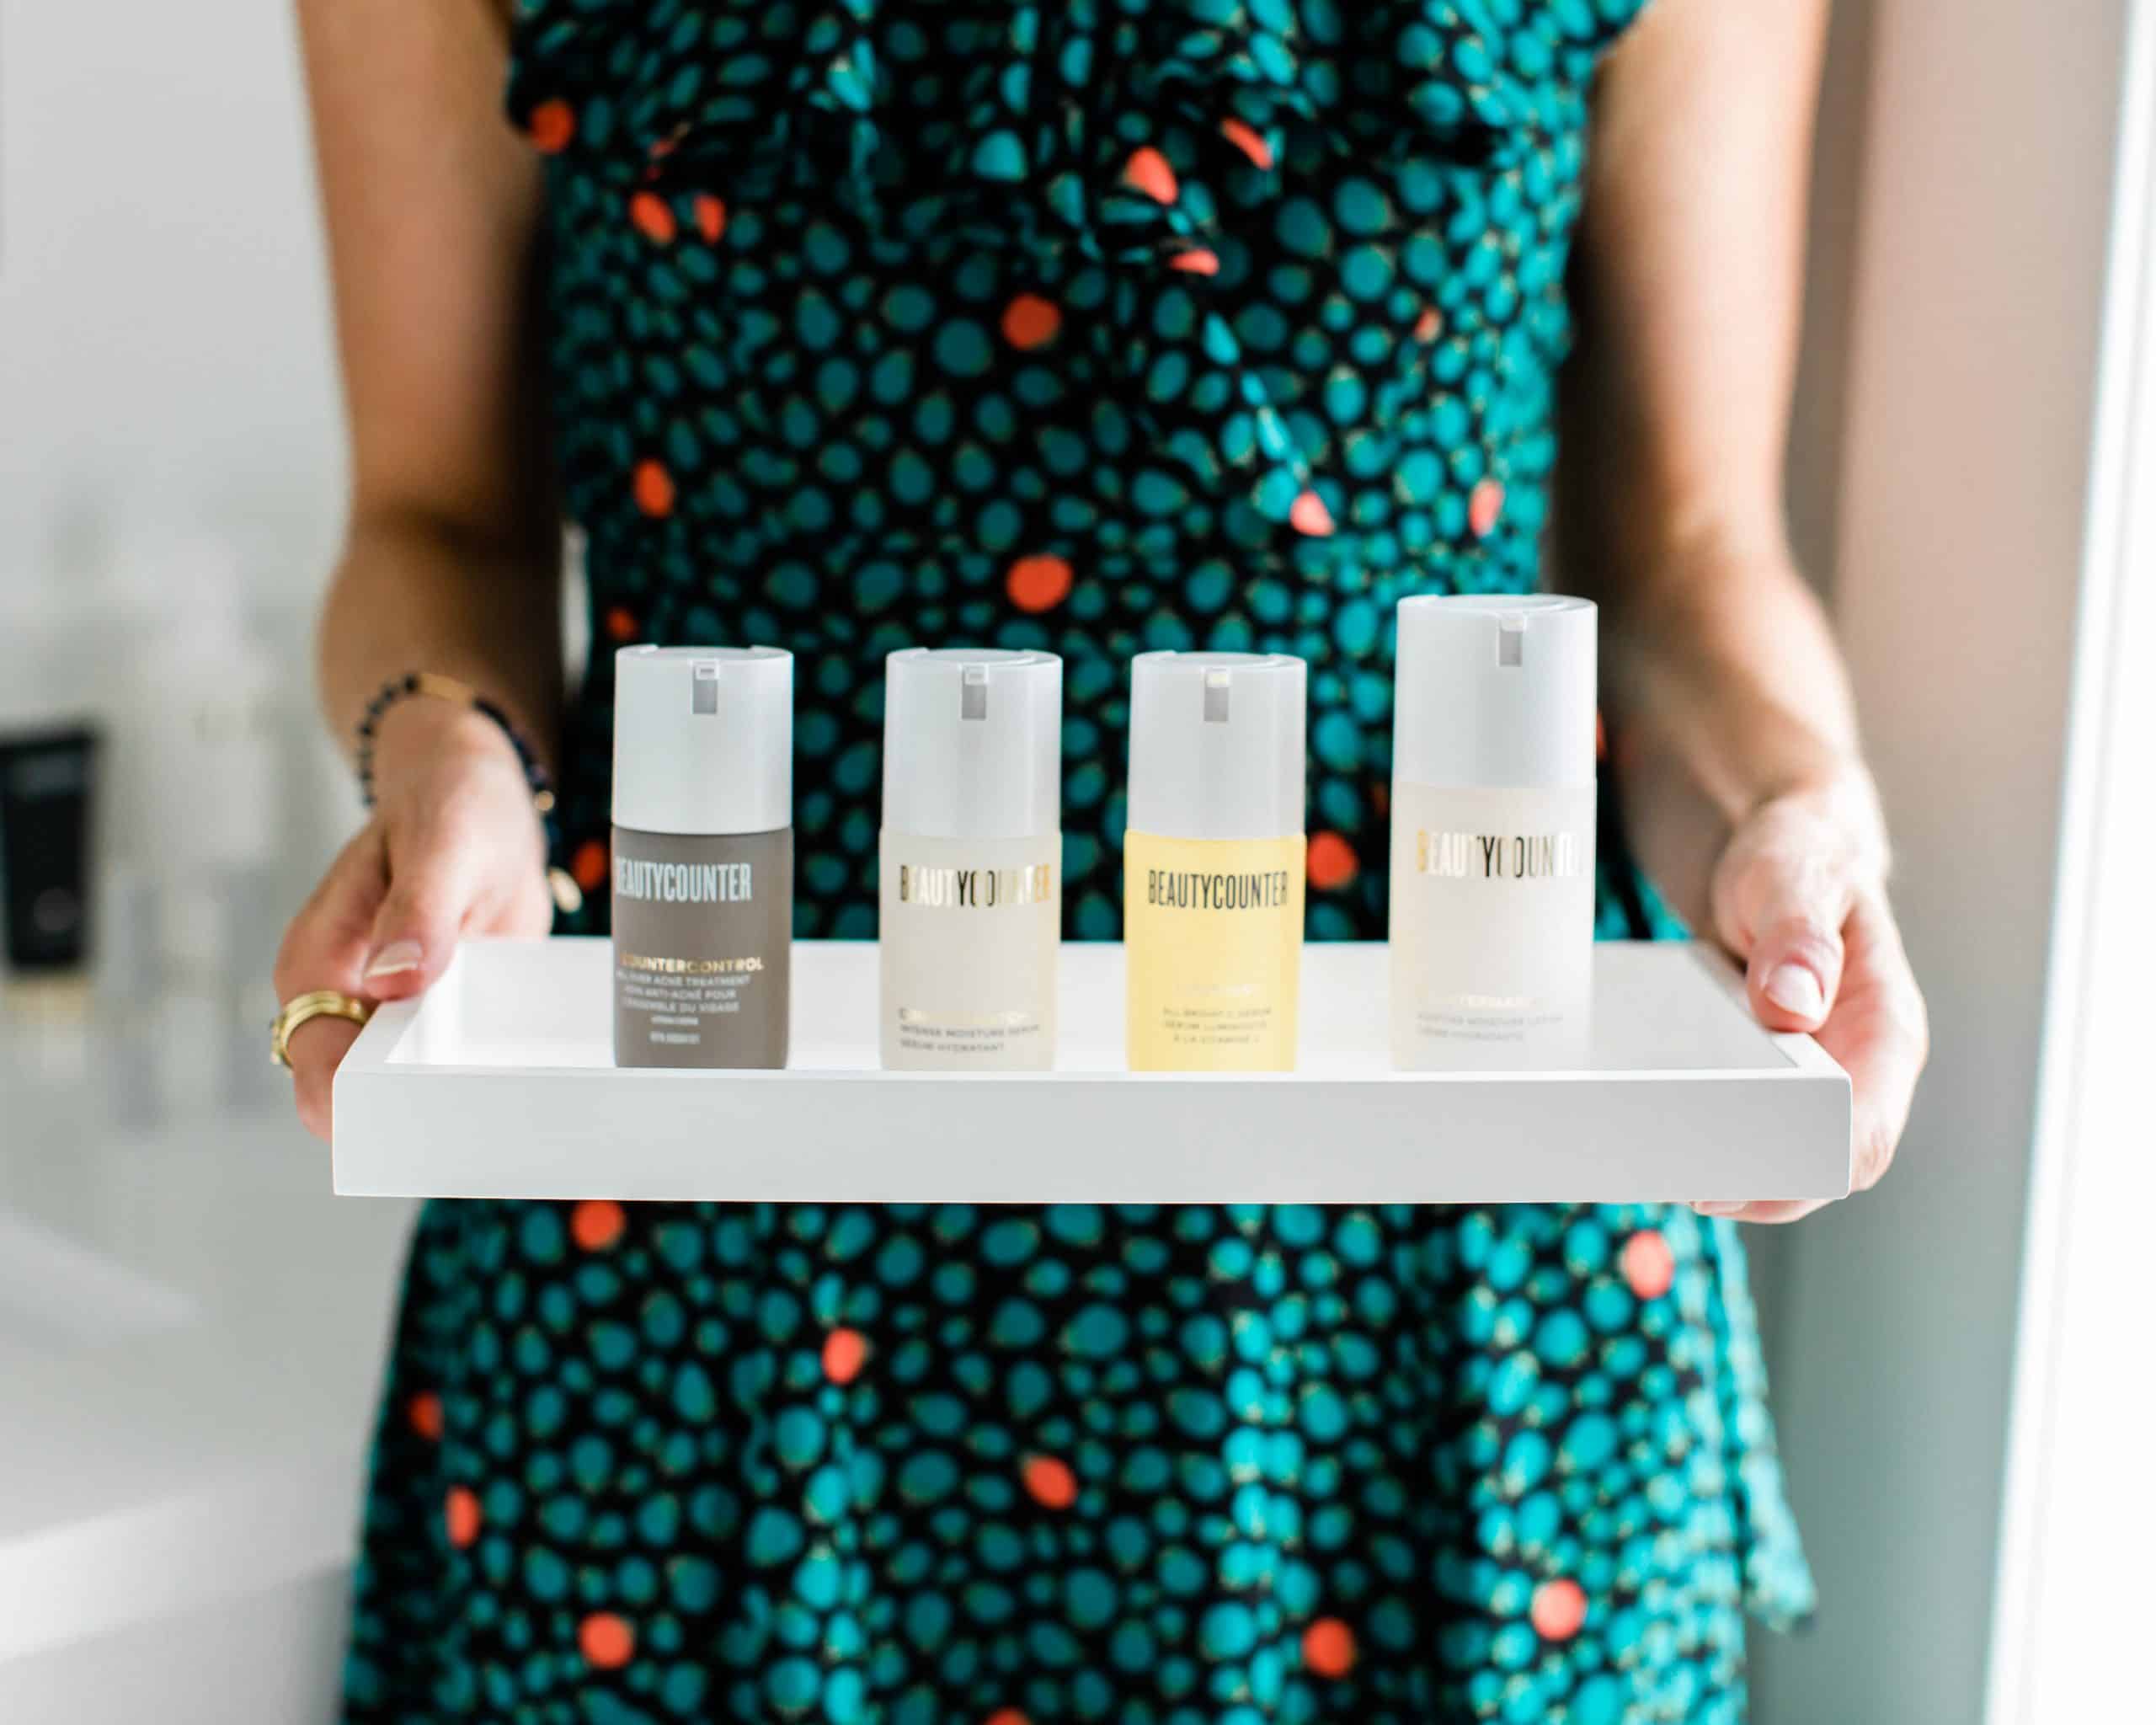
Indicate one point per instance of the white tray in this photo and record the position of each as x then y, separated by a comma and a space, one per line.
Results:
500, 1083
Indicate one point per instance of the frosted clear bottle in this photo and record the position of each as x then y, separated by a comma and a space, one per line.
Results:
1493, 825
970, 864
1492, 925
970, 930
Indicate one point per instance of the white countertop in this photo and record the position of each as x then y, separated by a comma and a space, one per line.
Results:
192, 1330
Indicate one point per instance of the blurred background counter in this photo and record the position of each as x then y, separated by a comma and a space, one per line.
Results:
191, 1332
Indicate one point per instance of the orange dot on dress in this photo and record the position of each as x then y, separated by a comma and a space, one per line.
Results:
1329, 1647
606, 1641
1558, 1609
588, 868
1148, 171
1483, 504
653, 487
597, 1223
460, 1516
1249, 140
1309, 514
1332, 861
1648, 1264
1038, 583
1049, 1482
653, 216
845, 1353
1030, 321
550, 126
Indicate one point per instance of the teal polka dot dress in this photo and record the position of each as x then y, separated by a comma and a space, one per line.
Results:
1094, 327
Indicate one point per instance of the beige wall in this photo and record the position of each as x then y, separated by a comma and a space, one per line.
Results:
1813, 472
1959, 463
1815, 414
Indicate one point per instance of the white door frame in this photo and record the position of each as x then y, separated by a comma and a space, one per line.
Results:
2071, 1622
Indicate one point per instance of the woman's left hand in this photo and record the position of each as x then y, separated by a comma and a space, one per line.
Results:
1800, 896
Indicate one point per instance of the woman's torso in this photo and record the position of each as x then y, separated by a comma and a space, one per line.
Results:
876, 323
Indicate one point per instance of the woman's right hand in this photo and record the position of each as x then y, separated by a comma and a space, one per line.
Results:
452, 848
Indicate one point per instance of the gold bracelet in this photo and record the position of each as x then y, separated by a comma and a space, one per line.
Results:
317, 1003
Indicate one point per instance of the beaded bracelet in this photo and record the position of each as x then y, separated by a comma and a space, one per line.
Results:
567, 895
442, 688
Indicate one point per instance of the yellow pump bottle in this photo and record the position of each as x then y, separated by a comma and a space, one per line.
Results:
1213, 861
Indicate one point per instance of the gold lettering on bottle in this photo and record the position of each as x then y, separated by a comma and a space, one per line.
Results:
975, 889
1489, 856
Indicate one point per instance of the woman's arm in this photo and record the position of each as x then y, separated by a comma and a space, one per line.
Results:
1729, 712
451, 559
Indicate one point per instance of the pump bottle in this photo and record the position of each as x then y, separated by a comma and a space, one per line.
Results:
1493, 819
1212, 861
703, 854
971, 853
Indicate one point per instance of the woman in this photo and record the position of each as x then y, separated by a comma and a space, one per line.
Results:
1116, 325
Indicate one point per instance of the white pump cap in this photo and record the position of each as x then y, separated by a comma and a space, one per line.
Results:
1217, 745
703, 739
973, 742
1494, 690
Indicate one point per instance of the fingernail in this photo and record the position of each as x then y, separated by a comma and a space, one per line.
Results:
1718, 1207
397, 955
1796, 989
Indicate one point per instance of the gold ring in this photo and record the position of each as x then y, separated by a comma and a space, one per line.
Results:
318, 1003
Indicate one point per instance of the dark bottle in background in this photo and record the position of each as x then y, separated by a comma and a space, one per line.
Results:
703, 855
45, 788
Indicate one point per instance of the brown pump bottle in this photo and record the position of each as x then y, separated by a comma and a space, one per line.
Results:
703, 855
